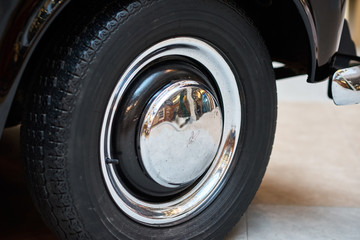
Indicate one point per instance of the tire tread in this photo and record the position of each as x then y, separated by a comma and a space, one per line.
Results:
48, 115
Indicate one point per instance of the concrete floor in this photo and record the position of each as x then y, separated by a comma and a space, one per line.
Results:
311, 189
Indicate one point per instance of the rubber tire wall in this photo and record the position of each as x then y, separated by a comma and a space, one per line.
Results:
75, 75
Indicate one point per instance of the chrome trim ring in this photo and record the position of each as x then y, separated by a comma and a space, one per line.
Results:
180, 133
199, 195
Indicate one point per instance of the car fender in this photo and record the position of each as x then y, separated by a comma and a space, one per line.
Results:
24, 22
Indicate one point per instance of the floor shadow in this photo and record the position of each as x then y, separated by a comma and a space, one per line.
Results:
19, 219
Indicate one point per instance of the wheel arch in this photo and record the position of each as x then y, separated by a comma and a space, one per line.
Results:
36, 27
284, 39
22, 28
302, 34
288, 30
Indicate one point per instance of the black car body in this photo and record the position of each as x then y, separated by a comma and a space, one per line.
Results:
96, 79
303, 34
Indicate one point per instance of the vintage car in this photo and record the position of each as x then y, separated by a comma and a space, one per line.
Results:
155, 119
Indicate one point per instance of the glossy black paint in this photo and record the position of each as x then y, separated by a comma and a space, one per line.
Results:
326, 19
21, 27
24, 22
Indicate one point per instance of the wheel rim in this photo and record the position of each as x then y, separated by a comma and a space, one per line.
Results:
199, 184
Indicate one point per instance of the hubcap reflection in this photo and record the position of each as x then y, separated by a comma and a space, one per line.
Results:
180, 134
187, 134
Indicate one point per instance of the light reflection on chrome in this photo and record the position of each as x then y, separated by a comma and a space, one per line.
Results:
180, 134
200, 195
346, 86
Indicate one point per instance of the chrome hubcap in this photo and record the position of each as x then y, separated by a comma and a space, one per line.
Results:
180, 133
170, 131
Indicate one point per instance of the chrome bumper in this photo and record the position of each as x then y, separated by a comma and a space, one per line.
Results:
345, 86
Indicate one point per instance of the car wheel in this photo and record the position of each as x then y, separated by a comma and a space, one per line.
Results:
150, 120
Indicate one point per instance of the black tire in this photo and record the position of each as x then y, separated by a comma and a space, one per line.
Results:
70, 92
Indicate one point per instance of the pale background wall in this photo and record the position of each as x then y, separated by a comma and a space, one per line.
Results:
353, 15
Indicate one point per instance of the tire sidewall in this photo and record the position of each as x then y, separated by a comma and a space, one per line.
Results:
236, 38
